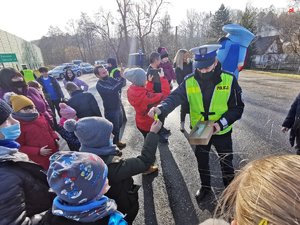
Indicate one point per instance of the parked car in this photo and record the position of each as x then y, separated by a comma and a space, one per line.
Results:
100, 63
86, 68
77, 61
59, 71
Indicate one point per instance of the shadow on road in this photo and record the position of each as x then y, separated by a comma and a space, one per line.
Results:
149, 207
180, 201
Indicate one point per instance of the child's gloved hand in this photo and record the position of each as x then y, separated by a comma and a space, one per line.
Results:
156, 126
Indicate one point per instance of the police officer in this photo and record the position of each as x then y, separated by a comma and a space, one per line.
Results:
27, 74
212, 95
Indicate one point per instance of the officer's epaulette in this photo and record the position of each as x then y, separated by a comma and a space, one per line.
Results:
189, 75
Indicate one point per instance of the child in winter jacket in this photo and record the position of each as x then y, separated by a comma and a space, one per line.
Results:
38, 140
66, 113
95, 136
80, 182
24, 191
166, 65
292, 123
141, 96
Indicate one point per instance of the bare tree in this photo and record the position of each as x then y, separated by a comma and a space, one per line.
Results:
106, 26
124, 8
195, 29
73, 29
289, 29
87, 34
144, 16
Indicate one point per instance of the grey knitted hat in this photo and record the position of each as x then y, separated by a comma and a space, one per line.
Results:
5, 111
77, 177
92, 132
137, 76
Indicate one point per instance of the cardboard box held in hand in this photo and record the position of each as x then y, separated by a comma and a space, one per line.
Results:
201, 133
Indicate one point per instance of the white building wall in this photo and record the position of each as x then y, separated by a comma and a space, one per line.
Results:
26, 52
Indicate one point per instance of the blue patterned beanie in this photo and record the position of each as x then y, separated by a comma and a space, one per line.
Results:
77, 177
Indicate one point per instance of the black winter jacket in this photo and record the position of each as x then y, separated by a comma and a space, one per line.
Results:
292, 121
293, 114
84, 104
23, 192
120, 172
207, 85
182, 73
56, 86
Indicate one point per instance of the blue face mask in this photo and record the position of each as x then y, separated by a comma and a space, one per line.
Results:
12, 132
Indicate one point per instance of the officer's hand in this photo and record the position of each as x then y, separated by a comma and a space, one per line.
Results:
150, 78
284, 129
156, 126
161, 73
217, 128
154, 110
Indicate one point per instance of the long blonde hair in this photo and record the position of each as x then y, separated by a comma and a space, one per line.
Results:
178, 60
265, 189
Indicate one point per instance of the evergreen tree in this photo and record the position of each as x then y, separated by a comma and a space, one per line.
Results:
249, 21
220, 18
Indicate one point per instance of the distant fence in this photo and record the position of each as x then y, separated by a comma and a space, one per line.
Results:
269, 62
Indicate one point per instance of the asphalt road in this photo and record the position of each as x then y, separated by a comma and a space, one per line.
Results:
168, 197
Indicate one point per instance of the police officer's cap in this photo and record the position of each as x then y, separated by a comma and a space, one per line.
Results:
205, 55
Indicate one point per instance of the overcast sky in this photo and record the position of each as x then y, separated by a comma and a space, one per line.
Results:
30, 19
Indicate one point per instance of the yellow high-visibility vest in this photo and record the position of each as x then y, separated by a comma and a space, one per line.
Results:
28, 75
218, 105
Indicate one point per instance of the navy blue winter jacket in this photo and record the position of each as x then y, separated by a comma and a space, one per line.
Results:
109, 89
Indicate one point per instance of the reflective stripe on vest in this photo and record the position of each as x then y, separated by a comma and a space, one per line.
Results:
113, 71
28, 75
218, 105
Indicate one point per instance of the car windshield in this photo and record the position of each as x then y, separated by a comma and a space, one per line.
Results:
85, 65
59, 68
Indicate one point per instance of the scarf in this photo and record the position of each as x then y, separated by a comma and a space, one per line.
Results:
85, 213
103, 151
10, 144
8, 154
27, 117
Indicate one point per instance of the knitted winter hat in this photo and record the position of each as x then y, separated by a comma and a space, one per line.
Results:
66, 111
5, 111
76, 177
163, 52
92, 132
17, 102
137, 76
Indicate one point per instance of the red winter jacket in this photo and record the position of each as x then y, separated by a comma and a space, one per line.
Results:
143, 99
34, 135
